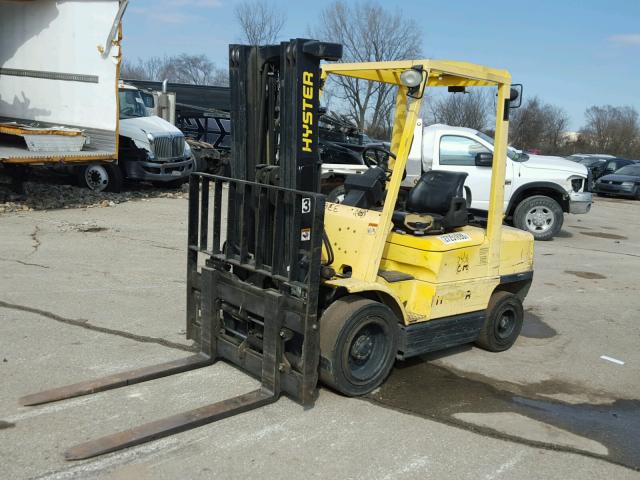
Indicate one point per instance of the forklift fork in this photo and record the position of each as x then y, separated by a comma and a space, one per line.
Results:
173, 424
117, 380
268, 392
160, 428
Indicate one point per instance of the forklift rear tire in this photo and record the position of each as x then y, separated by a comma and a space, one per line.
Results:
503, 322
358, 344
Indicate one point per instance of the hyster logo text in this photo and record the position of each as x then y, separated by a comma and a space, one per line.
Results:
307, 111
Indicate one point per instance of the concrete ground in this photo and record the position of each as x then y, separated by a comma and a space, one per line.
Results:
88, 292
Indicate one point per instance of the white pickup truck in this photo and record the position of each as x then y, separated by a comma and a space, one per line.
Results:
538, 189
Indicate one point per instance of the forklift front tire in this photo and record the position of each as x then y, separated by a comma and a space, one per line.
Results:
358, 344
503, 322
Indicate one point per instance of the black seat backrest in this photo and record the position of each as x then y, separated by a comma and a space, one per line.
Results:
435, 192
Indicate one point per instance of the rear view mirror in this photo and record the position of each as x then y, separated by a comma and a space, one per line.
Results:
515, 95
484, 159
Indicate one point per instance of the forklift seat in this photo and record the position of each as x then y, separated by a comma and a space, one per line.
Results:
436, 204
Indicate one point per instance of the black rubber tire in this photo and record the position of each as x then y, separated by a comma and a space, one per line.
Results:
544, 202
348, 323
115, 179
336, 195
494, 335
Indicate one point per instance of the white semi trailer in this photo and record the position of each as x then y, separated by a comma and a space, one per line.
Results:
59, 64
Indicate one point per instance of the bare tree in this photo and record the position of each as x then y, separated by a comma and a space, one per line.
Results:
131, 70
150, 69
556, 123
368, 33
193, 69
472, 110
183, 68
260, 21
614, 130
538, 125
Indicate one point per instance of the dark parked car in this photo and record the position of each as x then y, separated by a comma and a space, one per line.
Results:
599, 166
625, 182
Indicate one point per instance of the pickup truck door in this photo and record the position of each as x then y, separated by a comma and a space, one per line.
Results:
457, 152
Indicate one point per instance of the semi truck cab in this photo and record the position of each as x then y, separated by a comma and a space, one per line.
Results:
150, 148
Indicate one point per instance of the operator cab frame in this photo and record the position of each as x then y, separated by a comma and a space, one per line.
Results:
376, 225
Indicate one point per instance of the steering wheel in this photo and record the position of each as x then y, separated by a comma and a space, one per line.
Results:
128, 111
378, 157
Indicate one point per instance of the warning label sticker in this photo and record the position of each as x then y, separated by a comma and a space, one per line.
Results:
305, 234
449, 238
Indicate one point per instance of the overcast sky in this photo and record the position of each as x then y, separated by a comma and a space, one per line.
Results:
571, 53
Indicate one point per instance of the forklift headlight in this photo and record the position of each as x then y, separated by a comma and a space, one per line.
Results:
411, 78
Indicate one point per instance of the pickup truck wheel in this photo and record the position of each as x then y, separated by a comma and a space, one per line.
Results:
539, 215
337, 194
503, 322
358, 344
101, 177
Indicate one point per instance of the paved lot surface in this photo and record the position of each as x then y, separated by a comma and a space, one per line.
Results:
88, 292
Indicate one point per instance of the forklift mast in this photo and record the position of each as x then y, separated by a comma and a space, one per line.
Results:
275, 93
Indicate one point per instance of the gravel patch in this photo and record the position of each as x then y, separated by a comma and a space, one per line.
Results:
40, 195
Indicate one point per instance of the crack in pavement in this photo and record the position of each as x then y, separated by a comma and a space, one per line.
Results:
22, 263
36, 241
109, 331
151, 243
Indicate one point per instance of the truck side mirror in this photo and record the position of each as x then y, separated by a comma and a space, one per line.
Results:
484, 159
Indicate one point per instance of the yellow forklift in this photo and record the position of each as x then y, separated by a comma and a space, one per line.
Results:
293, 289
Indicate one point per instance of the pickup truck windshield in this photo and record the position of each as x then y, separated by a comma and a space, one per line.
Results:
511, 153
131, 104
